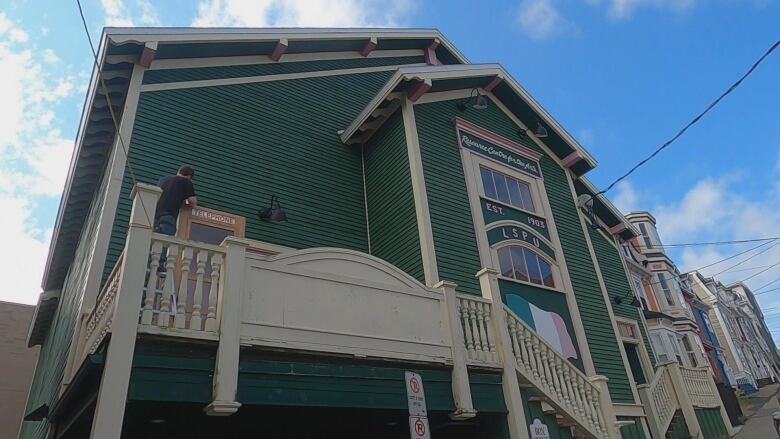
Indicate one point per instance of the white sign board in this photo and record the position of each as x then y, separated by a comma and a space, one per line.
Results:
416, 395
538, 430
418, 426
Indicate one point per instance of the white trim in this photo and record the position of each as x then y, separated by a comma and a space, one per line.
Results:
450, 95
224, 61
262, 78
604, 292
424, 228
115, 175
644, 357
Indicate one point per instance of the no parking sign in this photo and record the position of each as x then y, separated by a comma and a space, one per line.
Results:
418, 411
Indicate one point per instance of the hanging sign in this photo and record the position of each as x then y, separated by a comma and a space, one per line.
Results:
493, 211
495, 152
418, 427
415, 394
538, 430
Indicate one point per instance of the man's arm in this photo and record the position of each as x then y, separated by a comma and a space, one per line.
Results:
191, 201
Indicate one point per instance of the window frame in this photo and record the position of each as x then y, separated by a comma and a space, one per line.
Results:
554, 270
507, 177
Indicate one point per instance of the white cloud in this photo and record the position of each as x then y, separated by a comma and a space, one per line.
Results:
627, 198
35, 159
540, 19
301, 13
619, 10
50, 57
142, 12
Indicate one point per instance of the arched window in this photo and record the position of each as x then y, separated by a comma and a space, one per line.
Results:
526, 265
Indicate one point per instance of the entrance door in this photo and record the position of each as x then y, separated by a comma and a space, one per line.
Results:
211, 227
634, 362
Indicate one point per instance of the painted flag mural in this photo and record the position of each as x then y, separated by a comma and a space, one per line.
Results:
549, 325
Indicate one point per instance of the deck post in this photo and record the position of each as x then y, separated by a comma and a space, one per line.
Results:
229, 303
605, 405
686, 406
647, 402
518, 426
461, 390
112, 395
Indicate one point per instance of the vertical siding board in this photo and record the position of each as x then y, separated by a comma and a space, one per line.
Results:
243, 141
455, 242
392, 217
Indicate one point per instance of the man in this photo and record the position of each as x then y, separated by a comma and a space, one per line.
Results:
177, 190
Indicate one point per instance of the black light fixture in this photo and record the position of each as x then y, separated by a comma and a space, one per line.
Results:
273, 214
619, 299
479, 104
540, 131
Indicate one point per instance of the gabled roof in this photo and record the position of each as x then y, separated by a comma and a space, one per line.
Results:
457, 77
605, 210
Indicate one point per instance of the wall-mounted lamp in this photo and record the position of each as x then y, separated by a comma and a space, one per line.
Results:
540, 131
619, 299
273, 214
479, 104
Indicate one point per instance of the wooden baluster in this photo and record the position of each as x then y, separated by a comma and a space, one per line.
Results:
513, 336
537, 359
531, 354
475, 331
216, 274
560, 364
482, 333
522, 334
590, 413
168, 290
151, 284
570, 399
578, 396
555, 378
543, 359
490, 336
181, 302
464, 315
197, 317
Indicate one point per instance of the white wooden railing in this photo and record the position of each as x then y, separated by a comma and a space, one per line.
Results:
560, 381
98, 322
745, 378
474, 314
182, 285
698, 386
663, 398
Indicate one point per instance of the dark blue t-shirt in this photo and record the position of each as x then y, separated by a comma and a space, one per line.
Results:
176, 190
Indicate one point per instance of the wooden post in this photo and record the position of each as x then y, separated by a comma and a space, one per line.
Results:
112, 395
652, 416
229, 309
518, 426
605, 406
461, 390
686, 406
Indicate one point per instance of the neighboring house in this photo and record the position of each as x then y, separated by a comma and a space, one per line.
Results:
670, 320
703, 306
758, 349
17, 363
438, 221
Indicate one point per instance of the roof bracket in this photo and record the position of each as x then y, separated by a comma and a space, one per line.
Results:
419, 88
281, 47
147, 55
430, 53
493, 83
369, 46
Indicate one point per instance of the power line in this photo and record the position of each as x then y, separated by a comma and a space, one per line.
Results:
767, 284
751, 257
695, 119
110, 105
693, 244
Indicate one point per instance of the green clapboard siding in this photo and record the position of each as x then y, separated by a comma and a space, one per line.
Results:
453, 233
54, 351
533, 410
244, 141
172, 372
392, 218
323, 384
451, 221
634, 431
203, 73
616, 281
711, 423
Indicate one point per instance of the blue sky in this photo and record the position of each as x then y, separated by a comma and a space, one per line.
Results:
621, 75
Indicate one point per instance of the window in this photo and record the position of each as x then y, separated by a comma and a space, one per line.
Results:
523, 264
659, 348
689, 350
506, 189
645, 235
676, 349
639, 290
665, 288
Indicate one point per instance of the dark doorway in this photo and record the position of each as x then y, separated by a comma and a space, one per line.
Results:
632, 352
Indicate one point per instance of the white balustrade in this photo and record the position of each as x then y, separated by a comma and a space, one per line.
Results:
663, 398
99, 320
697, 384
555, 376
182, 287
474, 314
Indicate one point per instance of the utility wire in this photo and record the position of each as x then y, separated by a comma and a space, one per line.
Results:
693, 244
110, 106
751, 257
694, 120
767, 284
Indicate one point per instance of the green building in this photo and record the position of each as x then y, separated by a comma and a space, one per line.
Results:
372, 204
